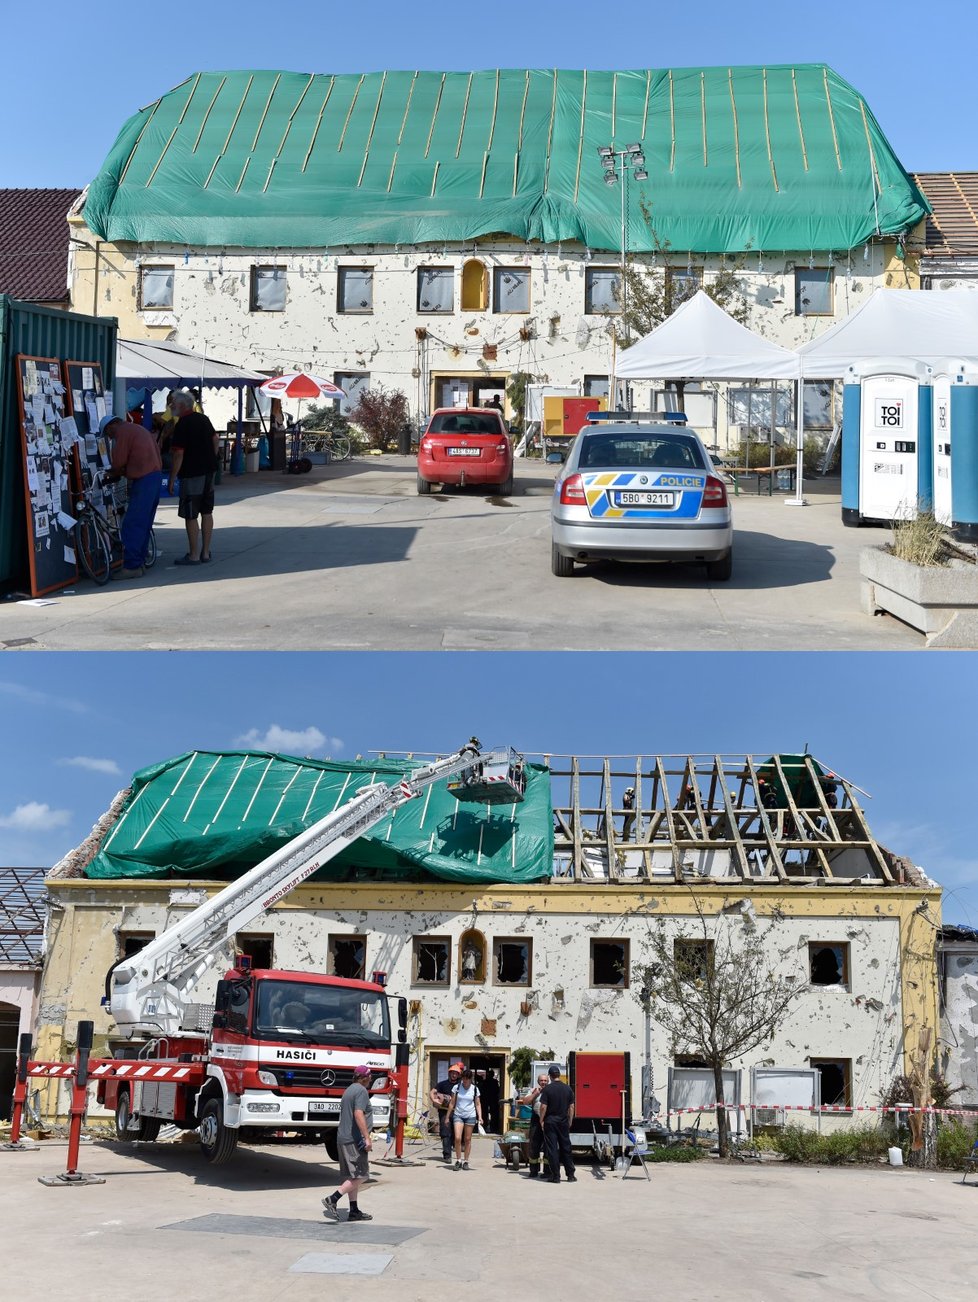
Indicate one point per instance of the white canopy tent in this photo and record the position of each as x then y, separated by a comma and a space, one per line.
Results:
927, 327
700, 341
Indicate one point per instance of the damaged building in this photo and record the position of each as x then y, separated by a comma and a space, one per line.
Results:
529, 925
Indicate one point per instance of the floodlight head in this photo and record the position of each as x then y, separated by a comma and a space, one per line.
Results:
638, 160
611, 176
605, 153
641, 174
634, 149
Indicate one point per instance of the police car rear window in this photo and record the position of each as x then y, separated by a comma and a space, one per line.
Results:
608, 451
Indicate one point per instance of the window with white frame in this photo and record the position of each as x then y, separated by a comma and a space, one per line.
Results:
268, 289
511, 289
155, 289
436, 289
353, 384
355, 289
813, 291
751, 405
601, 290
596, 386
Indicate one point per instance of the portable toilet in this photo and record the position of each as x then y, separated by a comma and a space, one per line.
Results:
887, 466
964, 454
941, 444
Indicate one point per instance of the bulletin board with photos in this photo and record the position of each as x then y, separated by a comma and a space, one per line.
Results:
88, 403
48, 438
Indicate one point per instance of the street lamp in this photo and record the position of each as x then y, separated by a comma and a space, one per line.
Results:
630, 159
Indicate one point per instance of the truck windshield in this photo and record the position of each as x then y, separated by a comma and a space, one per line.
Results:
292, 1010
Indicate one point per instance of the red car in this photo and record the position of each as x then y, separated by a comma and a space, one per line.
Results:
466, 445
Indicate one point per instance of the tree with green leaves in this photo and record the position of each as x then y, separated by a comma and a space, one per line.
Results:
516, 393
718, 991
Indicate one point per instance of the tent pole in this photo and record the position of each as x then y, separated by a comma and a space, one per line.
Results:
237, 456
799, 499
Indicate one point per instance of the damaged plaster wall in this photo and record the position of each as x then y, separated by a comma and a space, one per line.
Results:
557, 340
559, 1010
959, 1023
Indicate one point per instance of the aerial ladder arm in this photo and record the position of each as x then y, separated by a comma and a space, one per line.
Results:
148, 993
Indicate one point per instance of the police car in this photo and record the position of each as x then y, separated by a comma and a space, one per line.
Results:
640, 492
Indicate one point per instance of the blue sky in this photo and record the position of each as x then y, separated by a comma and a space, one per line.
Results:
902, 727
98, 67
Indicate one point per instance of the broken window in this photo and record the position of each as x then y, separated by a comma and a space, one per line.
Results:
353, 383
609, 963
511, 290
131, 942
601, 290
431, 959
512, 962
813, 291
355, 286
348, 957
828, 963
257, 946
693, 958
835, 1081
471, 957
436, 289
155, 289
268, 289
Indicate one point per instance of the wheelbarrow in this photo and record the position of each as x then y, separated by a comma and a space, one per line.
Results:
514, 1148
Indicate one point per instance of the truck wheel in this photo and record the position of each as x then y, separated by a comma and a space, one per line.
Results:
332, 1146
149, 1128
217, 1141
123, 1115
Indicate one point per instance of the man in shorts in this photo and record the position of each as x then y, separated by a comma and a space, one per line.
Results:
353, 1144
193, 450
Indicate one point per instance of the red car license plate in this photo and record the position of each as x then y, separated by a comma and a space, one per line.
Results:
643, 499
462, 452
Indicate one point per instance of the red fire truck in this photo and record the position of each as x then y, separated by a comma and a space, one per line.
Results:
277, 1049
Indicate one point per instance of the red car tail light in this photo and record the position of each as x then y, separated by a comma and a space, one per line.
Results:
715, 494
572, 491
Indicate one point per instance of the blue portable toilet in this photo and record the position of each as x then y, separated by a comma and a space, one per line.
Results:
963, 453
887, 461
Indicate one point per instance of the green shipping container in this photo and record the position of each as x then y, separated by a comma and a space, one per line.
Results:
36, 332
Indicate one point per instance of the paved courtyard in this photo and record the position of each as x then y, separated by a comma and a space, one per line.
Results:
351, 557
166, 1225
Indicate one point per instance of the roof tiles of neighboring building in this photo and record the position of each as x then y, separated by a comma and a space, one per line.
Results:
952, 228
34, 244
22, 911
778, 157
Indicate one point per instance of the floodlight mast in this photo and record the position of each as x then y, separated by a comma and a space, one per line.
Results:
148, 993
630, 159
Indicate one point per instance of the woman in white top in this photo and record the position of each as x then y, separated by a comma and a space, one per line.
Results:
464, 1113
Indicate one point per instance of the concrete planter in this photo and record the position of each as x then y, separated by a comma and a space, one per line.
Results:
941, 600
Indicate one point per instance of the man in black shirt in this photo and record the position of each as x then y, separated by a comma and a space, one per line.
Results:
194, 461
556, 1116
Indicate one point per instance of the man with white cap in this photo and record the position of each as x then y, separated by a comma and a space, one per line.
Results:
353, 1144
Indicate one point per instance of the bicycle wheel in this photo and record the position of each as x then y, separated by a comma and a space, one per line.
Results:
93, 549
340, 448
151, 551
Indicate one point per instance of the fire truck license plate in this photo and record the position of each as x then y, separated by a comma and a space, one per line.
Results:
324, 1105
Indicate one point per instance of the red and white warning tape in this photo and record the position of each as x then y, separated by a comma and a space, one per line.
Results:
825, 1107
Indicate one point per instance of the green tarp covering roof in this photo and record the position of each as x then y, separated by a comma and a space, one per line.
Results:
218, 813
766, 158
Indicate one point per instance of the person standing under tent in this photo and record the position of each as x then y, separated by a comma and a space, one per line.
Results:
353, 1145
194, 462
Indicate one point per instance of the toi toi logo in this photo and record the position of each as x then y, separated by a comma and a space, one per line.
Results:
889, 415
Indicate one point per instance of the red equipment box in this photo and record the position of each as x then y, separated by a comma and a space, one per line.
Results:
597, 1080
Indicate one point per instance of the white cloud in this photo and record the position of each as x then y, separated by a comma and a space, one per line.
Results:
35, 817
290, 741
93, 765
30, 696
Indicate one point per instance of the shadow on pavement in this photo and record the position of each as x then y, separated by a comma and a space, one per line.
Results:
249, 1168
761, 560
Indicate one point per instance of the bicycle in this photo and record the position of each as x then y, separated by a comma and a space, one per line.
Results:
337, 447
97, 533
